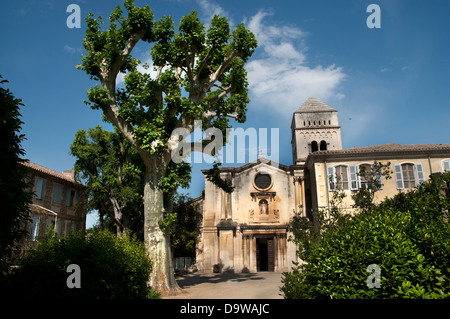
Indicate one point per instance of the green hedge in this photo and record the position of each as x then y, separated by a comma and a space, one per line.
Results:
408, 237
111, 268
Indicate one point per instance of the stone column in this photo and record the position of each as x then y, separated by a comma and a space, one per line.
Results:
303, 198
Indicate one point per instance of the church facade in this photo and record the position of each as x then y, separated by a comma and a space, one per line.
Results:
248, 230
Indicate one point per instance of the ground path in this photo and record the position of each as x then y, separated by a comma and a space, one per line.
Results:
261, 285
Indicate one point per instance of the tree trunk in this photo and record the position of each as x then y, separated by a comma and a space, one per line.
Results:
162, 277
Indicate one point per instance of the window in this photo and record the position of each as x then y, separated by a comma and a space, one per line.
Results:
58, 227
68, 229
408, 175
409, 180
49, 225
347, 177
314, 147
40, 188
70, 195
263, 181
446, 165
363, 181
57, 191
323, 146
341, 177
34, 230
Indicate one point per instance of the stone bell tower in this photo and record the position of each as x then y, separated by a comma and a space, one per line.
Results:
315, 127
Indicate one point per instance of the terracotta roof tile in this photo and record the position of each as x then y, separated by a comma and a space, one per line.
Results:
49, 171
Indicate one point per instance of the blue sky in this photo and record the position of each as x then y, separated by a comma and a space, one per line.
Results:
390, 85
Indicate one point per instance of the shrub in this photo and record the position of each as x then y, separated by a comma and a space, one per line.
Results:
111, 267
411, 246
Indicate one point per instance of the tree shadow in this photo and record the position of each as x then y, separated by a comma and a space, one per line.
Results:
190, 280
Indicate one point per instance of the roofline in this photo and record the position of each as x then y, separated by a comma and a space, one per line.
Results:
250, 165
48, 171
428, 149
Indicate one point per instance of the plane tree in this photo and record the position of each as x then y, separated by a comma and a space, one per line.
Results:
198, 74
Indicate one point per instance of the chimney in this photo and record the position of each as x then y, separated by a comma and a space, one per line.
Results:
69, 173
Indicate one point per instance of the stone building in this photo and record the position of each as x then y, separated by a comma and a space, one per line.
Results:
57, 204
248, 229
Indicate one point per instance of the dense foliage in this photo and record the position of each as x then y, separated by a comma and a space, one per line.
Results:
113, 173
14, 196
407, 236
112, 267
200, 75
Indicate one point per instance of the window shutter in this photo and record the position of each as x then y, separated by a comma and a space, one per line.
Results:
398, 176
331, 176
48, 224
39, 188
354, 178
58, 229
420, 174
380, 180
446, 165
67, 228
57, 190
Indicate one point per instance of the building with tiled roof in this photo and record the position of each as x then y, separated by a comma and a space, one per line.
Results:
58, 203
248, 229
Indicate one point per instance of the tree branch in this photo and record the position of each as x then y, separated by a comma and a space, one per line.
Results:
226, 62
188, 63
221, 95
205, 60
209, 115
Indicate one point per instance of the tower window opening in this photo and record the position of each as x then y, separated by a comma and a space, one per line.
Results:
323, 146
314, 147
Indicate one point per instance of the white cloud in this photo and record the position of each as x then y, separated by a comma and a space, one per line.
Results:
278, 74
209, 9
121, 76
69, 49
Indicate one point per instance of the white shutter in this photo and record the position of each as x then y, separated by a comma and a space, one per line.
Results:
331, 176
354, 178
398, 176
446, 165
420, 175
380, 180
